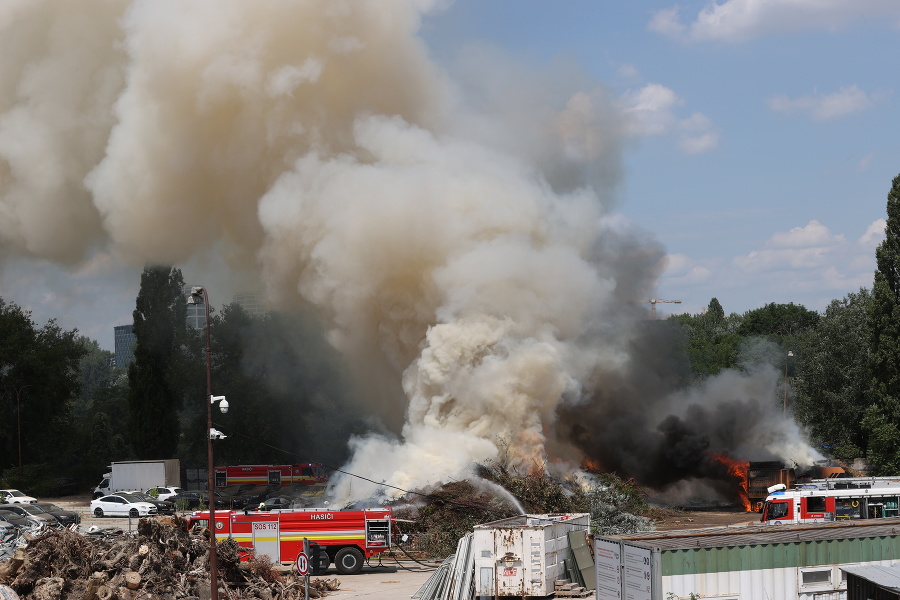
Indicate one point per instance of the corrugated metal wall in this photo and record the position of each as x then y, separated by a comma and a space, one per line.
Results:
775, 556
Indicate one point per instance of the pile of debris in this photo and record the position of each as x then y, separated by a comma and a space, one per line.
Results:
162, 561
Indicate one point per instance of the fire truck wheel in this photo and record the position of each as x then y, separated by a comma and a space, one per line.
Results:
348, 561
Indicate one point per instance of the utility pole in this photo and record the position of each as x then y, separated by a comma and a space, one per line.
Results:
790, 355
19, 422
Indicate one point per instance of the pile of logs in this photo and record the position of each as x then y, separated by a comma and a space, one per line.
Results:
162, 562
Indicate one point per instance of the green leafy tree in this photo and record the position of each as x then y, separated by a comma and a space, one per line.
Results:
715, 313
153, 396
38, 382
97, 371
778, 320
712, 343
882, 418
100, 414
832, 386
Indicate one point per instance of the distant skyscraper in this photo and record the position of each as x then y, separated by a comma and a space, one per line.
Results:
125, 341
250, 302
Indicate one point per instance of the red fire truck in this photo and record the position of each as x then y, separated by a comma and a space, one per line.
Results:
306, 473
347, 536
833, 500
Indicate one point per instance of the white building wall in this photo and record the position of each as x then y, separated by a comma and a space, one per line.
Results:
761, 584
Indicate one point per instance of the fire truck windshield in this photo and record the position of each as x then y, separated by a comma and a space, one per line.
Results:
775, 510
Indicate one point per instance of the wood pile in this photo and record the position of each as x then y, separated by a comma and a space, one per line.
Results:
162, 562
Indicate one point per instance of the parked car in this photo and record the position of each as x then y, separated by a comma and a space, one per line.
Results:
122, 505
239, 496
65, 517
15, 497
191, 500
276, 502
18, 521
163, 493
164, 507
32, 514
8, 532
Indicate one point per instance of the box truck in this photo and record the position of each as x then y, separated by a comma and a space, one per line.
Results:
139, 475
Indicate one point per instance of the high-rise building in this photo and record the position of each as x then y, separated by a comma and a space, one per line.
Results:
125, 341
250, 302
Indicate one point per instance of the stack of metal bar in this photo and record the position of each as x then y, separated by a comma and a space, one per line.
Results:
453, 579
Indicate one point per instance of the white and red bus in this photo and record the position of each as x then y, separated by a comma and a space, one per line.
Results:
833, 500
348, 537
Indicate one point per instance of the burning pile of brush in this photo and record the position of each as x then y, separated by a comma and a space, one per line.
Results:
442, 515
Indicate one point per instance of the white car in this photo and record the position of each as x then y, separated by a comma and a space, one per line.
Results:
15, 497
122, 505
163, 493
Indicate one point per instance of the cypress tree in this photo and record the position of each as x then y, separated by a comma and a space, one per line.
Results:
159, 327
882, 418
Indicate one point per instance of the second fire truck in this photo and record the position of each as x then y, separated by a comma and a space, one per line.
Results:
833, 500
270, 475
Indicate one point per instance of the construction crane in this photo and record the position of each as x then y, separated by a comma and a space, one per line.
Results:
654, 301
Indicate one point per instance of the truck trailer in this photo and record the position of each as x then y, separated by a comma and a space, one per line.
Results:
139, 475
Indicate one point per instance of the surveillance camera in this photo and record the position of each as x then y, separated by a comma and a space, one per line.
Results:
215, 434
223, 404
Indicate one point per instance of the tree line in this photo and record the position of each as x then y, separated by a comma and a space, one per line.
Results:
289, 399
72, 411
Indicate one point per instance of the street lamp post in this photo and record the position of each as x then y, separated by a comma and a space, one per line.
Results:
19, 422
790, 355
198, 295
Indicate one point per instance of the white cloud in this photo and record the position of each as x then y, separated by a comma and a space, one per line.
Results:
822, 107
667, 22
811, 259
652, 113
874, 234
684, 269
809, 265
813, 235
864, 162
652, 109
741, 20
628, 71
698, 134
808, 247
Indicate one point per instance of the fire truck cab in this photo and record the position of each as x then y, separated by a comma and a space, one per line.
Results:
347, 537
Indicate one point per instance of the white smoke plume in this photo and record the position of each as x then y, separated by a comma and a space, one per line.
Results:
453, 232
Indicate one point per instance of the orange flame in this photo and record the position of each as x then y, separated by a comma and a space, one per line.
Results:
740, 470
591, 465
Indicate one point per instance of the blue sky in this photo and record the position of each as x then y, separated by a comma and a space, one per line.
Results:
770, 130
761, 145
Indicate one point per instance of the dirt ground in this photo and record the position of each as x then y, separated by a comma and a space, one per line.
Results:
674, 520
